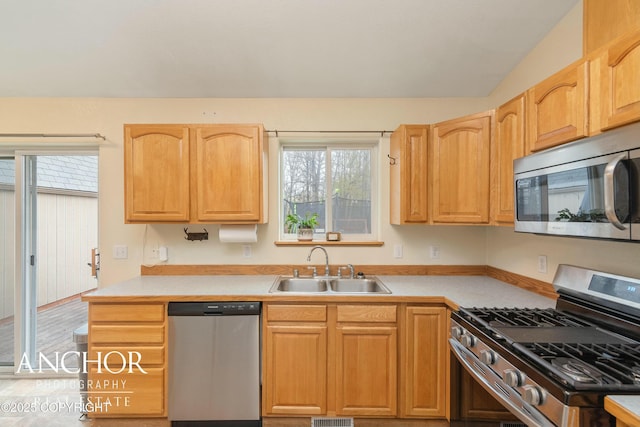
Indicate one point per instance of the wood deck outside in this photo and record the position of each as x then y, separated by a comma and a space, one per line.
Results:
54, 330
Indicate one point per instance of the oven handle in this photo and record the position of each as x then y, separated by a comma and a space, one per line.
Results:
485, 377
609, 192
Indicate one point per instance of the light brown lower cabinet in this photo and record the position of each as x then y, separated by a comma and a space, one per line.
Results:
424, 363
294, 359
366, 360
127, 360
360, 360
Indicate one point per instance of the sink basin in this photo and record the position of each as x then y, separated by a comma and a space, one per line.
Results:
298, 284
370, 285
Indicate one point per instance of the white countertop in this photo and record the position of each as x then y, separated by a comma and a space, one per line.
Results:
464, 291
626, 408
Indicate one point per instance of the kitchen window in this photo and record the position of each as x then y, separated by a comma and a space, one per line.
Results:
338, 181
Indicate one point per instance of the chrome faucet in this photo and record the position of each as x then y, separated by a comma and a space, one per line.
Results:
326, 258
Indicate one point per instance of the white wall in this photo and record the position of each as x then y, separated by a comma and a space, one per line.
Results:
458, 245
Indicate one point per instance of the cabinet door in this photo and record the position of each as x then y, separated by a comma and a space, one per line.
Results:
366, 370
604, 21
295, 370
508, 144
425, 356
408, 175
460, 167
156, 173
557, 108
620, 82
229, 174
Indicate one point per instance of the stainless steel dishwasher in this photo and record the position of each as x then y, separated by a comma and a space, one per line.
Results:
214, 364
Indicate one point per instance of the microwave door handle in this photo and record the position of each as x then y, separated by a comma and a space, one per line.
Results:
609, 191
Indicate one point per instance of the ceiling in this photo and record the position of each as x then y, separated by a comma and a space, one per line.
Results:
266, 48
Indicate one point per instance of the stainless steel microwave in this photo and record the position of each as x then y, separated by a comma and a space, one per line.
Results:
588, 188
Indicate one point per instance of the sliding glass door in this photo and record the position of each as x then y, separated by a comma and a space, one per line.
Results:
51, 210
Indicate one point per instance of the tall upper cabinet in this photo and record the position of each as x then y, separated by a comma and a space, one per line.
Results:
459, 166
604, 21
195, 174
408, 175
509, 144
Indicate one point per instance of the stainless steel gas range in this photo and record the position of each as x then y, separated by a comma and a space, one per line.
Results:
553, 367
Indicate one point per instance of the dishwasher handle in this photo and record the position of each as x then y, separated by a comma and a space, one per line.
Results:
207, 308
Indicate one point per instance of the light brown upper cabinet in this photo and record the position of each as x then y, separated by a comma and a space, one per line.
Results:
156, 173
408, 175
557, 110
607, 20
195, 174
228, 164
620, 82
459, 166
508, 145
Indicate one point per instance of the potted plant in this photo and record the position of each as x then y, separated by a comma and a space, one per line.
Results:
304, 226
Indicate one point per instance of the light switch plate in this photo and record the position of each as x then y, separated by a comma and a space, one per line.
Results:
120, 252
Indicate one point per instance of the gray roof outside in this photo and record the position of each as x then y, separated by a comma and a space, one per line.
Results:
77, 173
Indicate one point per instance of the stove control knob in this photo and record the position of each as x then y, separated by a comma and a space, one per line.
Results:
534, 395
468, 340
488, 357
457, 332
514, 378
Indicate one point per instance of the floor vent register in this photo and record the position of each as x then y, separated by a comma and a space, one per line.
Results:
331, 422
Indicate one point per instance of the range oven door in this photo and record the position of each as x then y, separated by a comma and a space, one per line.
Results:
491, 382
587, 198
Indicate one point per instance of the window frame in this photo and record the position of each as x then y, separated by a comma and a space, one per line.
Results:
329, 145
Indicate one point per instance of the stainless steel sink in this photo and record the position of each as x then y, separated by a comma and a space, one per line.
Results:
368, 285
299, 284
327, 285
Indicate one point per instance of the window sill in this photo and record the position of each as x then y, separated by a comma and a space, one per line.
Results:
326, 243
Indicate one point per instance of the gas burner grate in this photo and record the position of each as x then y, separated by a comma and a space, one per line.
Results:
548, 317
604, 363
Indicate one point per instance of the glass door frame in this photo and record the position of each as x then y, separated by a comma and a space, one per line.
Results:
25, 306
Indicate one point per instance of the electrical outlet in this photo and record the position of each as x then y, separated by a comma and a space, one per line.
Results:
163, 253
542, 263
434, 252
120, 252
246, 251
397, 251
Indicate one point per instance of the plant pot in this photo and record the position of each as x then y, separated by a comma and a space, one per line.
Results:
305, 234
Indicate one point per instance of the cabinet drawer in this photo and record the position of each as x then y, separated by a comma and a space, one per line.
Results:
127, 312
299, 313
148, 355
367, 313
126, 334
112, 395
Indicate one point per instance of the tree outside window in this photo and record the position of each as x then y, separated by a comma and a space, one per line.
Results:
336, 182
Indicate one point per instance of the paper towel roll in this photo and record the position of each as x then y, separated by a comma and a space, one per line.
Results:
238, 233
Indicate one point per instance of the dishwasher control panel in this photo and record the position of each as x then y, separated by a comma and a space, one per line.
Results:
207, 308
